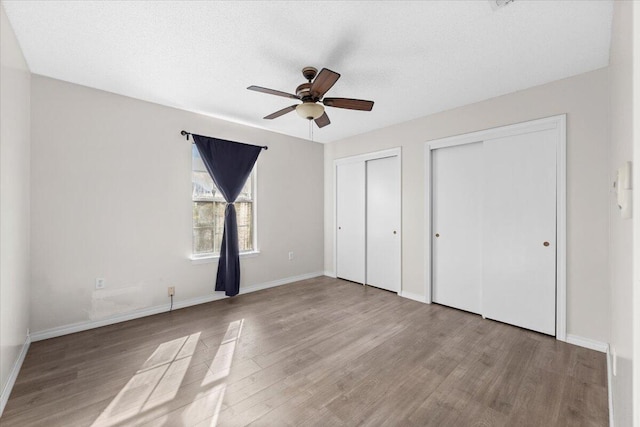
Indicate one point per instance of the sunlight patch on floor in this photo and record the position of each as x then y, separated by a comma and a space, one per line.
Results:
160, 378
205, 408
156, 383
221, 364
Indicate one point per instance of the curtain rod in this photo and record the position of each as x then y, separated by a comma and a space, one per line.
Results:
186, 134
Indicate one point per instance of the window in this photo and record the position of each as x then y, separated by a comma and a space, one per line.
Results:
208, 212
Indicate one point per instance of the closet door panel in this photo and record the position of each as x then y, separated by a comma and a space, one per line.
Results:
519, 230
456, 222
350, 208
383, 223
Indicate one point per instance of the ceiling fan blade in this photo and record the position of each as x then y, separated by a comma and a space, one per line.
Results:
348, 103
281, 112
323, 82
272, 92
323, 120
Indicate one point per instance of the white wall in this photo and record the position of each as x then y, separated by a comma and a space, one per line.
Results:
14, 202
111, 198
585, 100
620, 245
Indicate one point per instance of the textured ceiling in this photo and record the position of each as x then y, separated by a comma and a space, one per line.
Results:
411, 58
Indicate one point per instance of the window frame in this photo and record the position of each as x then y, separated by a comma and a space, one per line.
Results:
213, 256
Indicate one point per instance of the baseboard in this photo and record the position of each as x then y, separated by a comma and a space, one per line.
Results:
330, 273
6, 391
587, 343
412, 296
609, 385
92, 324
279, 282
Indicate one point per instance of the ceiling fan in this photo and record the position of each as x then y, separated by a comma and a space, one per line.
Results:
311, 93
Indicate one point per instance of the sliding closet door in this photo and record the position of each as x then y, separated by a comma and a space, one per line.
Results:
350, 208
383, 223
456, 226
519, 243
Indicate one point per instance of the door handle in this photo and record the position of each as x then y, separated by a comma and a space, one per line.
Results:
437, 234
546, 243
394, 231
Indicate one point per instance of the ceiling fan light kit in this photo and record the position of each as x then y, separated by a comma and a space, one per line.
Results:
309, 110
311, 94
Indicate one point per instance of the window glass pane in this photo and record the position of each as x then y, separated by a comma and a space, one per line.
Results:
203, 214
196, 161
245, 194
219, 226
203, 188
208, 211
245, 222
203, 240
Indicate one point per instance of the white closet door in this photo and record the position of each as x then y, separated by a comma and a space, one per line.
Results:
456, 222
383, 223
350, 200
519, 244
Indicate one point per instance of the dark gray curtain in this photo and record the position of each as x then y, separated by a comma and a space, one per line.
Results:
229, 164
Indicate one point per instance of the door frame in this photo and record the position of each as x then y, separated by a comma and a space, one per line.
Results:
558, 123
391, 152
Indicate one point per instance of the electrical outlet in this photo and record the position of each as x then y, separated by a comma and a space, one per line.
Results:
101, 283
171, 291
290, 256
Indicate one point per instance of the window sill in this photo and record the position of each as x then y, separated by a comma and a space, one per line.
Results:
206, 259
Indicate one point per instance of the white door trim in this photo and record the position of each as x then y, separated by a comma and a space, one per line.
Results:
555, 122
397, 151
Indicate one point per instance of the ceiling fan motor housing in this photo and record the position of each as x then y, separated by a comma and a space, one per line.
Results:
309, 73
304, 91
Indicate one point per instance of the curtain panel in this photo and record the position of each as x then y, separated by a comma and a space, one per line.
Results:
230, 164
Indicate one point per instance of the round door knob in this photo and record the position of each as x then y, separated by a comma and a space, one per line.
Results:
437, 234
394, 231
546, 243
339, 228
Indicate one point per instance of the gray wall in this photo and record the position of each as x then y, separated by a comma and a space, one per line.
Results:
111, 198
585, 99
14, 200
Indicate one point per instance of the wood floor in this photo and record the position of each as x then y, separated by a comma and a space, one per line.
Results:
321, 352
